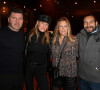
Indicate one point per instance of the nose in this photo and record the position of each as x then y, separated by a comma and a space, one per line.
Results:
88, 24
17, 20
63, 27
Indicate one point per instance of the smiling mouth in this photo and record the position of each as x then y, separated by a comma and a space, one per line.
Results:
63, 31
89, 28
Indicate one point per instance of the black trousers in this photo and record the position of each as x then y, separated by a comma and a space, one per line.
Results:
40, 74
11, 81
67, 83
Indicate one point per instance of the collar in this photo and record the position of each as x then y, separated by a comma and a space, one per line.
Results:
94, 31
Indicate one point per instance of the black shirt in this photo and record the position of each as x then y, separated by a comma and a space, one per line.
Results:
37, 51
11, 49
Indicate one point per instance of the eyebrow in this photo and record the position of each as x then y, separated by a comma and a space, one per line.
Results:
86, 20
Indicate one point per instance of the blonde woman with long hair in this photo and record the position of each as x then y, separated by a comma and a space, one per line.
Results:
37, 51
65, 47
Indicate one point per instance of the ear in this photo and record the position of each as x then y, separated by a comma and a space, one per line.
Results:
96, 23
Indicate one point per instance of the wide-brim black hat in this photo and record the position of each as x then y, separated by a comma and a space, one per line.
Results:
44, 18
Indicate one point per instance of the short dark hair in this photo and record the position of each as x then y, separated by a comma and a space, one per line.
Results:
90, 15
15, 10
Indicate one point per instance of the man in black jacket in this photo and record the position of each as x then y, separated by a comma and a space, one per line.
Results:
11, 49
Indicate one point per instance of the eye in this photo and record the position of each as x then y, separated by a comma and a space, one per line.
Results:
65, 26
20, 19
14, 18
60, 26
92, 21
46, 24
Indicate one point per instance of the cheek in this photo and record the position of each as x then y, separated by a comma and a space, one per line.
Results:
21, 22
93, 25
84, 25
39, 26
46, 27
66, 30
59, 31
10, 21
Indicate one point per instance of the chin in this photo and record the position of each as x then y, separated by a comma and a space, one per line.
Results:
89, 30
42, 31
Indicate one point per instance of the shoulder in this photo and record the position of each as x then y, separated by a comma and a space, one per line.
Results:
3, 31
74, 40
51, 35
3, 28
81, 33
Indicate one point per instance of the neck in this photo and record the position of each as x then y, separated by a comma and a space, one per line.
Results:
61, 37
13, 29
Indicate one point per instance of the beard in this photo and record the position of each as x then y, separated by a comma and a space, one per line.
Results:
90, 27
15, 26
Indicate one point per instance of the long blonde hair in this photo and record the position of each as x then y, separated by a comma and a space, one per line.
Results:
35, 31
70, 38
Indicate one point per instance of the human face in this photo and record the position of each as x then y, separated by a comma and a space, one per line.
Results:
42, 26
90, 23
15, 21
63, 28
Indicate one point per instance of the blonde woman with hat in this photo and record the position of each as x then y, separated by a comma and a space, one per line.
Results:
37, 50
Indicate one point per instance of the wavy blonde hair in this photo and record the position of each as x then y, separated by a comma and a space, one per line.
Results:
35, 31
71, 38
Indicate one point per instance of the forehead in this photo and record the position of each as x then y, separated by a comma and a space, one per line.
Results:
89, 18
13, 14
62, 22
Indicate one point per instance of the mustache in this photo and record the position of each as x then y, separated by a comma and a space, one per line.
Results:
89, 27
